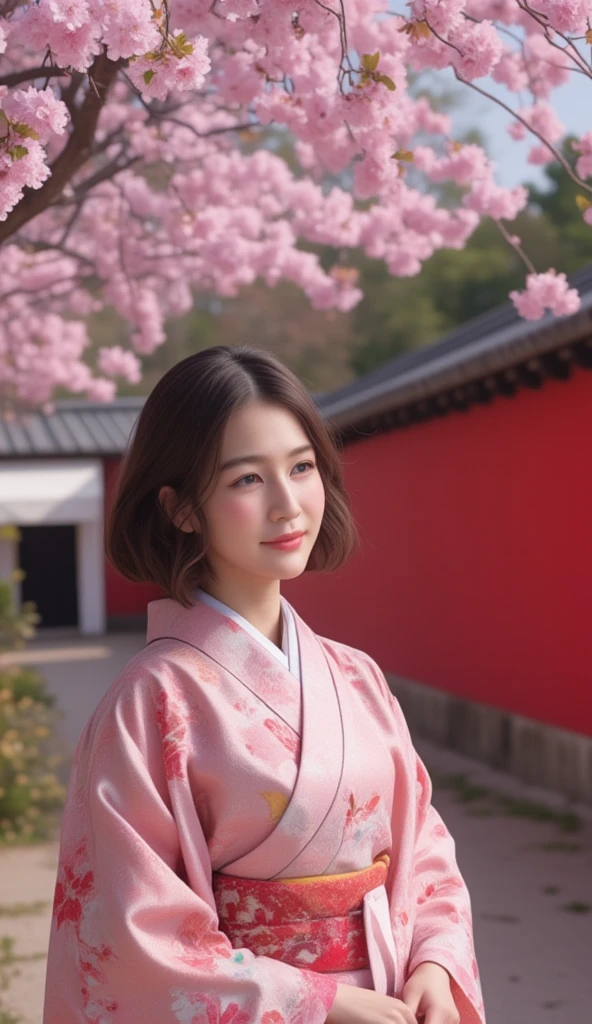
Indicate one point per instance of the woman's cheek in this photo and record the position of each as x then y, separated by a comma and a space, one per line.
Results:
316, 499
240, 511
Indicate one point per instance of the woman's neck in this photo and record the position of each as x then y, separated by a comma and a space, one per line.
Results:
262, 608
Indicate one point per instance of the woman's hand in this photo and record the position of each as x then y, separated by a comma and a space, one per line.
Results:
364, 1006
428, 996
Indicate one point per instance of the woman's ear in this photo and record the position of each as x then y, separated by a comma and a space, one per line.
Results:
167, 497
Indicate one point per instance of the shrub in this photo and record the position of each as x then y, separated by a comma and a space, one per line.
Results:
30, 791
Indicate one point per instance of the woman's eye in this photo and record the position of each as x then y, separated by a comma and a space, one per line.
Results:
248, 478
251, 477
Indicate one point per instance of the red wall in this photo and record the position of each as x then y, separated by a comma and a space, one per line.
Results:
122, 597
475, 574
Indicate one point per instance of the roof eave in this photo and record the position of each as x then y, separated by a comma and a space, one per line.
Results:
490, 355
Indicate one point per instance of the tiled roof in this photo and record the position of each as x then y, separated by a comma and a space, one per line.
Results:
75, 428
487, 344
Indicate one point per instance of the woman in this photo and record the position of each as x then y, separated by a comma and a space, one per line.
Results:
248, 836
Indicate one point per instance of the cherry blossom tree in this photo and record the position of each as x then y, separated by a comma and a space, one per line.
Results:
134, 168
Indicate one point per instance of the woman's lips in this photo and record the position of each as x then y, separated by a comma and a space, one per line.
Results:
287, 543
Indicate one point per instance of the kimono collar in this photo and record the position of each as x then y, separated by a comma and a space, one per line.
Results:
313, 711
288, 655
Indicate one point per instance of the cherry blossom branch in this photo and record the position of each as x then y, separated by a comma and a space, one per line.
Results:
68, 95
342, 41
515, 244
542, 20
30, 291
104, 174
247, 125
556, 153
72, 254
75, 153
30, 74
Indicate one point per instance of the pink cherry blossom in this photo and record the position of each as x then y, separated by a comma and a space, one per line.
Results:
480, 49
546, 291
39, 109
116, 362
180, 188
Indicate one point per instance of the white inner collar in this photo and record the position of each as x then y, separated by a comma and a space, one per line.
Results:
289, 655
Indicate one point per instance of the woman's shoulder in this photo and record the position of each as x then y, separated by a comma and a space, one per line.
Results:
352, 660
161, 675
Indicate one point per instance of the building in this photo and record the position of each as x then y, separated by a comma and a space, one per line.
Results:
56, 478
468, 464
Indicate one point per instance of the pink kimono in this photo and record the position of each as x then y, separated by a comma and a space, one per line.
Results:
204, 779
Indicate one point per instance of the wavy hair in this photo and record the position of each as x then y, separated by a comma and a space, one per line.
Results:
176, 442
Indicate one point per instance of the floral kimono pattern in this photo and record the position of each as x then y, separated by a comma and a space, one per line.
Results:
205, 756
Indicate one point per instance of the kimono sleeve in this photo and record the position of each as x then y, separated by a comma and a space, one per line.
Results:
134, 935
443, 931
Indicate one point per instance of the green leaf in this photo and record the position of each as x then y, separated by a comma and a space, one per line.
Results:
388, 82
148, 76
24, 130
583, 203
370, 61
405, 155
18, 152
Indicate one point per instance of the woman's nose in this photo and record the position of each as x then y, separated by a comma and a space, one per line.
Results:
284, 504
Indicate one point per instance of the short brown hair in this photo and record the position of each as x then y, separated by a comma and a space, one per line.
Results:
177, 441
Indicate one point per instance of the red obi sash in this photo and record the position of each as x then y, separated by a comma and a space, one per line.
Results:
316, 922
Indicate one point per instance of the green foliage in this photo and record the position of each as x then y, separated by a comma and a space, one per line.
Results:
370, 74
30, 791
24, 130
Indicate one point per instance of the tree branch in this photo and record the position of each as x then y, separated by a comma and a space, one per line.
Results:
514, 113
30, 74
75, 153
104, 173
69, 94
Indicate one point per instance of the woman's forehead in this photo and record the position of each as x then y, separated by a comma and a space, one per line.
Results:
272, 429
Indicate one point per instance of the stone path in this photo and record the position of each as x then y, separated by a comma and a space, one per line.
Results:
530, 879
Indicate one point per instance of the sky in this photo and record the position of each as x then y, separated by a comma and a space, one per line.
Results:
572, 102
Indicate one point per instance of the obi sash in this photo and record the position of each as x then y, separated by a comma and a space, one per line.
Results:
322, 923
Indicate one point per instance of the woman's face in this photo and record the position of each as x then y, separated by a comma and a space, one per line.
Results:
268, 486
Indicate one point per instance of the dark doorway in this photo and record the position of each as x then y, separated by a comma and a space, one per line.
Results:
47, 554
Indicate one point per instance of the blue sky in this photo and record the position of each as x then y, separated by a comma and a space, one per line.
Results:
573, 103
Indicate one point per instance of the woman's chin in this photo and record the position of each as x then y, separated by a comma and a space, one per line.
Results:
286, 567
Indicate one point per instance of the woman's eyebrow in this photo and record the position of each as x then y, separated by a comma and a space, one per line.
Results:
238, 459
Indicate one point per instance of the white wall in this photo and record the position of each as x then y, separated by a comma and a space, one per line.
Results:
49, 491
